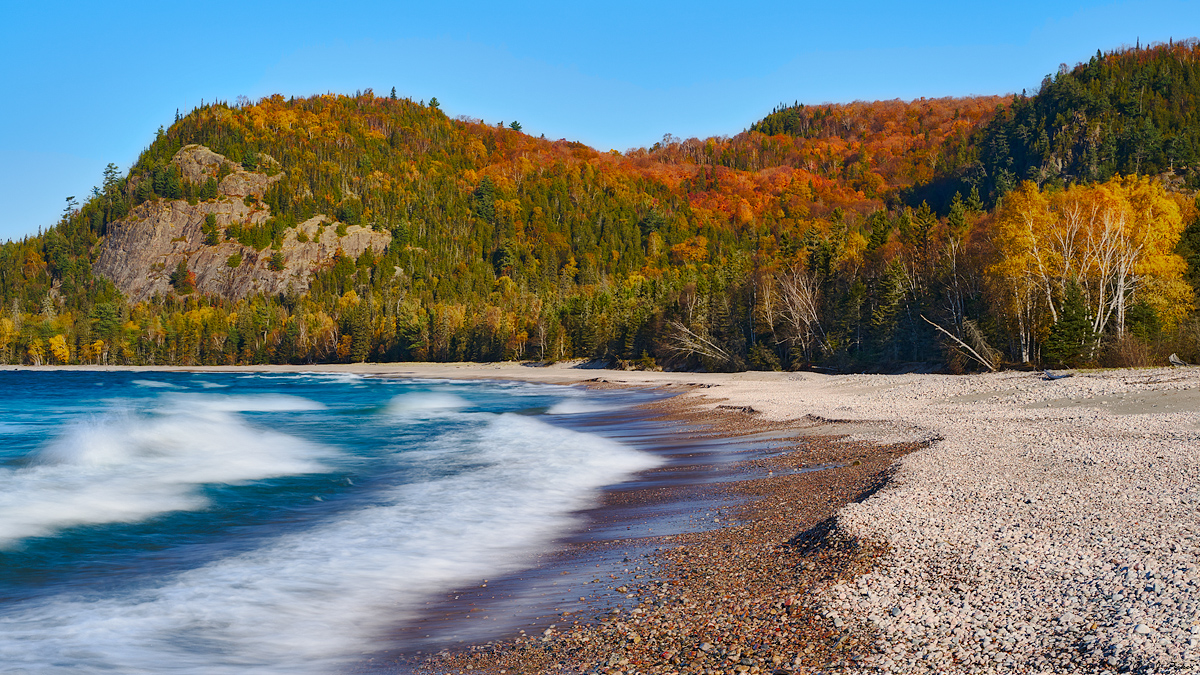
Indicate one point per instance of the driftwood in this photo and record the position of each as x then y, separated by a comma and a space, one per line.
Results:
1051, 375
962, 344
1176, 361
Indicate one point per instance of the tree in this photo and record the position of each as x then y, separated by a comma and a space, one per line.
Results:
212, 235
58, 349
182, 279
70, 209
799, 304
1072, 340
1019, 277
515, 125
433, 103
1116, 240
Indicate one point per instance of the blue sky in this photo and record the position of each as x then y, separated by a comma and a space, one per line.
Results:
89, 83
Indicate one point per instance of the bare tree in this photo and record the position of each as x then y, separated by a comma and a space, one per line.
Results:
798, 308
683, 341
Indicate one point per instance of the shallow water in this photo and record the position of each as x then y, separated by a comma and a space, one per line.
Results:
255, 523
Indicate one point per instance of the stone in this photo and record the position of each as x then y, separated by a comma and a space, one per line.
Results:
141, 250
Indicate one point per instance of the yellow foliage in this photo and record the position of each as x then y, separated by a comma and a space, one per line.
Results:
58, 348
1170, 297
1117, 239
506, 287
8, 332
856, 244
654, 245
93, 351
349, 299
36, 352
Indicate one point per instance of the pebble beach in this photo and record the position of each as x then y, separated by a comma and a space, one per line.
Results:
1040, 526
978, 524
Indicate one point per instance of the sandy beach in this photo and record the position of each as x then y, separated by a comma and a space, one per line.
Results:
1025, 525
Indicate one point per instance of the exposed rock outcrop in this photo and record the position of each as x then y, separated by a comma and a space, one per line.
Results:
197, 163
142, 250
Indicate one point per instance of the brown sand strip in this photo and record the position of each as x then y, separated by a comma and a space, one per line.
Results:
734, 594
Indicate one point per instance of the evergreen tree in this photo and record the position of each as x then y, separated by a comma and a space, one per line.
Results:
1072, 341
1188, 248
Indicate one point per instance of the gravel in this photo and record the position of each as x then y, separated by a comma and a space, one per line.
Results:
1033, 537
1044, 526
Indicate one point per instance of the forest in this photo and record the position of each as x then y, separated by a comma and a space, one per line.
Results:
1058, 228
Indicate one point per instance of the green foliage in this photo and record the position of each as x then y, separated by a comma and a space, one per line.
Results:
506, 246
182, 280
1143, 322
212, 235
1072, 342
208, 191
1126, 112
1189, 249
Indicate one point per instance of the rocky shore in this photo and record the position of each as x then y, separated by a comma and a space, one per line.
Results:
1035, 526
744, 594
1048, 526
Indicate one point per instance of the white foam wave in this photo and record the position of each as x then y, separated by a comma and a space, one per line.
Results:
426, 403
155, 384
578, 406
306, 375
127, 467
256, 403
312, 601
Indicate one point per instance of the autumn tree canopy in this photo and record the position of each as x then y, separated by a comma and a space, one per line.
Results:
935, 234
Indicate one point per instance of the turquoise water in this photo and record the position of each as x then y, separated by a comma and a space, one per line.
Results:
255, 523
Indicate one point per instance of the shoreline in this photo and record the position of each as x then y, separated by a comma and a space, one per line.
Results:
1043, 526
777, 486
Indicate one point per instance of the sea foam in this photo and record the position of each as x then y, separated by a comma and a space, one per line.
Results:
312, 601
127, 466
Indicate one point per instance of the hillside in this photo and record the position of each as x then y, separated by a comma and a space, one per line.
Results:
142, 250
885, 145
338, 228
1132, 111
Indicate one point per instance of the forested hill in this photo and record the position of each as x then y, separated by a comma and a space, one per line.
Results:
337, 228
1134, 111
884, 144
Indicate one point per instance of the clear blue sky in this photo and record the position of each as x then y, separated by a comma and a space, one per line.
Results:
89, 83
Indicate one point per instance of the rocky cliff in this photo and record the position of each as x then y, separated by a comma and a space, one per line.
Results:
141, 251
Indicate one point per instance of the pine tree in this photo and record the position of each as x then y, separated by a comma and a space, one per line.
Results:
1072, 340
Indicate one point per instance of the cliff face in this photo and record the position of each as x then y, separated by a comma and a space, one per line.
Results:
140, 252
